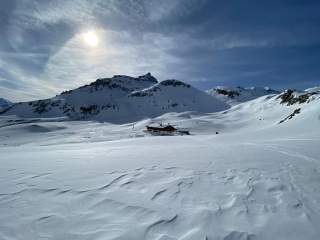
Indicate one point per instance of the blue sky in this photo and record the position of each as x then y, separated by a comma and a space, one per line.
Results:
206, 43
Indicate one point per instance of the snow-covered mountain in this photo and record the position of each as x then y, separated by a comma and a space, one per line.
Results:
236, 95
121, 99
298, 109
4, 104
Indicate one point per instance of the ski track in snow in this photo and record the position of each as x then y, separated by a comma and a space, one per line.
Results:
85, 180
102, 214
155, 203
295, 171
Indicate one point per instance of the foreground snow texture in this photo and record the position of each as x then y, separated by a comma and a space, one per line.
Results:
256, 179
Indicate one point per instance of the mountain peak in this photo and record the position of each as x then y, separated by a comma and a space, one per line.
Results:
148, 77
121, 99
236, 95
121, 82
174, 83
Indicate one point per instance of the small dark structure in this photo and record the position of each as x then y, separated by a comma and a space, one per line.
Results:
165, 130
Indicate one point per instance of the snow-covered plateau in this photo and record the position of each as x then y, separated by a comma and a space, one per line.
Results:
64, 177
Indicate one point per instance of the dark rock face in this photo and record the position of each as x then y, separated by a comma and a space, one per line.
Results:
118, 82
41, 106
92, 109
296, 111
174, 83
106, 82
236, 95
289, 98
228, 93
150, 91
148, 77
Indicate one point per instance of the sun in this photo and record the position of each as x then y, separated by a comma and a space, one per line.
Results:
90, 38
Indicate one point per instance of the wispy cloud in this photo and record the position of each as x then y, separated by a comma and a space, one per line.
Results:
200, 41
75, 64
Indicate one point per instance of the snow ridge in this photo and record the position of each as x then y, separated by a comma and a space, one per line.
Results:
236, 95
121, 99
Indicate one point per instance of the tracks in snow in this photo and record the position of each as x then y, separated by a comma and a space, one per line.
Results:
148, 203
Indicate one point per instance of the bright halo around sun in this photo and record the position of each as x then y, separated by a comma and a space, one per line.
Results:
90, 38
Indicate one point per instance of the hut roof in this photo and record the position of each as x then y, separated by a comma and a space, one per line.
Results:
167, 128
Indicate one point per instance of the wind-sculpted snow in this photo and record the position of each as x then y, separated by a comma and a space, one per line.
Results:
198, 187
256, 179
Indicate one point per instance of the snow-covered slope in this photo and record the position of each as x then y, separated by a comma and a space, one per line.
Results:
236, 95
258, 179
313, 89
121, 99
4, 104
291, 108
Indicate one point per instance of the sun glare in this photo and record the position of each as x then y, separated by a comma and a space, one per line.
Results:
91, 38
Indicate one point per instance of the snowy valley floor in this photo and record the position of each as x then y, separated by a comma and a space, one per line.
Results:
87, 180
